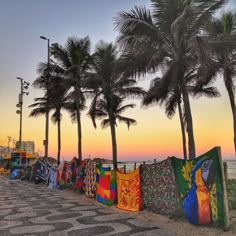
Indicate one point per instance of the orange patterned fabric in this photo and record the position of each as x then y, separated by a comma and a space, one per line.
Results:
128, 191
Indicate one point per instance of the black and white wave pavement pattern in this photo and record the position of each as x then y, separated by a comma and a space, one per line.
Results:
29, 209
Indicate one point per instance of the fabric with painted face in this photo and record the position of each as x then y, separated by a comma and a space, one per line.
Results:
201, 188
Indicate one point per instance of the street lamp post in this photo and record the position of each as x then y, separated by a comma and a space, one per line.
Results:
24, 86
47, 110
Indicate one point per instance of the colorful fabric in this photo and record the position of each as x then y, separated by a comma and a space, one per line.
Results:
62, 176
53, 178
201, 188
27, 173
40, 170
90, 178
128, 191
80, 173
159, 188
74, 163
106, 185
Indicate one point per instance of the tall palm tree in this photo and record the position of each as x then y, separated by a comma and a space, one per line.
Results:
221, 42
40, 107
75, 60
59, 100
111, 112
43, 82
55, 97
165, 37
56, 100
111, 86
172, 99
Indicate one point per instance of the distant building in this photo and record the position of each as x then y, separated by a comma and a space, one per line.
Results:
27, 146
3, 151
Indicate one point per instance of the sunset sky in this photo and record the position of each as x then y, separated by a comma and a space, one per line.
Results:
22, 22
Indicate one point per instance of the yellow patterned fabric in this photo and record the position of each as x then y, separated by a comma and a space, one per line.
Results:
128, 191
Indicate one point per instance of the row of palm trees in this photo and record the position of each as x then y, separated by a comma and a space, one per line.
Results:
180, 38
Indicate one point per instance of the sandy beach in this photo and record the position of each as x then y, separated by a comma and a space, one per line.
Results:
181, 226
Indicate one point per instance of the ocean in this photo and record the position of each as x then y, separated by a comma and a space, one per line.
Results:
231, 166
129, 166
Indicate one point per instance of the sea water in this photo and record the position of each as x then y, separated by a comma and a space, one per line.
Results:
231, 168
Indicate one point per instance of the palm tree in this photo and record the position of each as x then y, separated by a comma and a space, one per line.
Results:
102, 108
59, 100
220, 40
43, 82
172, 99
111, 86
40, 107
164, 37
75, 60
55, 97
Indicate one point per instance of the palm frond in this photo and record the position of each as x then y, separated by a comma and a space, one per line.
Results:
171, 104
105, 123
127, 121
36, 112
135, 26
124, 108
61, 55
205, 10
210, 92
56, 116
131, 92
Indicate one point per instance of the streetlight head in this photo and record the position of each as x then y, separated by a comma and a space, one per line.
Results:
42, 37
19, 78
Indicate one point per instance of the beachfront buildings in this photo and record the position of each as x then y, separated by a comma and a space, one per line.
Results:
27, 146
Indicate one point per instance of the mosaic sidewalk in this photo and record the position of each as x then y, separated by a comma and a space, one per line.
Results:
29, 209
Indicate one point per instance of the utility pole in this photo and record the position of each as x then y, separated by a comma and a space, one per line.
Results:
23, 87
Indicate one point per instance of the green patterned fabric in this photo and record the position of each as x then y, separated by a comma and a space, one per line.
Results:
159, 188
200, 187
27, 173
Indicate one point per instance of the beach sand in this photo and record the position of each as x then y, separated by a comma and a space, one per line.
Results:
181, 226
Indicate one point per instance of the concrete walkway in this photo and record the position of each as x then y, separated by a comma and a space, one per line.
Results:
29, 209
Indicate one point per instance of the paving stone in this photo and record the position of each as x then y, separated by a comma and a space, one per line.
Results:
97, 230
31, 229
30, 209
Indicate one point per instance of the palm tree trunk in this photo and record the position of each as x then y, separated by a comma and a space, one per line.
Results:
59, 141
79, 131
79, 135
233, 108
113, 139
46, 135
188, 114
183, 131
